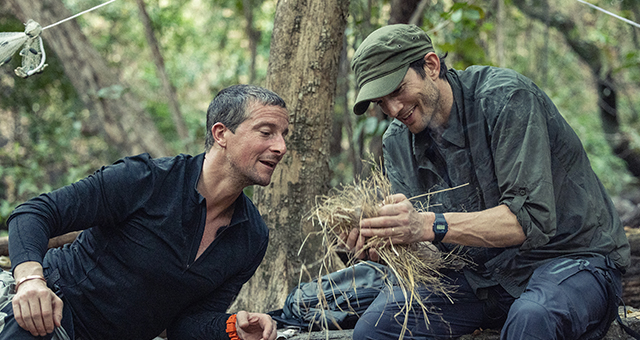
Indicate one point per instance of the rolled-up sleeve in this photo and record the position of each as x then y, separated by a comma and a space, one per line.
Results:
522, 158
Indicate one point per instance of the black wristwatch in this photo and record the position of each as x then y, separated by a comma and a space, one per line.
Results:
440, 228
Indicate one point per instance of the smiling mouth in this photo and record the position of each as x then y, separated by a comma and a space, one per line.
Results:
407, 115
271, 164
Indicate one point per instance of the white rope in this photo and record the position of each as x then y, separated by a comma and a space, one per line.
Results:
611, 14
79, 14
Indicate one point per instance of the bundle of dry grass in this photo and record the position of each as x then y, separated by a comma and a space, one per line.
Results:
416, 264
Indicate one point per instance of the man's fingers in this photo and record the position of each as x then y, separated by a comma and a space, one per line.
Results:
392, 199
352, 240
373, 255
268, 327
242, 319
382, 226
360, 247
27, 319
45, 310
274, 331
38, 318
57, 311
17, 314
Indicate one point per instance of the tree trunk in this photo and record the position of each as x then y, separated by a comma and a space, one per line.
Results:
402, 10
253, 34
303, 67
124, 123
342, 111
169, 90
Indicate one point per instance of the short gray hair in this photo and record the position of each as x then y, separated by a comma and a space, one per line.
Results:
230, 105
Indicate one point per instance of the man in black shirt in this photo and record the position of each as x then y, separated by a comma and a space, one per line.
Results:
547, 244
167, 242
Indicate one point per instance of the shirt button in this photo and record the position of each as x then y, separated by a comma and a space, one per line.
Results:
523, 192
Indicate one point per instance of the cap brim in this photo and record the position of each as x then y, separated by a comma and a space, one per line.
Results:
378, 88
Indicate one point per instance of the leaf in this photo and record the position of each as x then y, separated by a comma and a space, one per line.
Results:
370, 125
472, 14
456, 16
382, 127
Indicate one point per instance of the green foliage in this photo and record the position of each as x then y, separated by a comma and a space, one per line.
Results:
462, 39
46, 119
205, 48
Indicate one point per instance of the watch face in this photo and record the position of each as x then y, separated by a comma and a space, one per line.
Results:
441, 227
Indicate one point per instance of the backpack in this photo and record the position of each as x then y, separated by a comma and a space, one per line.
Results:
347, 292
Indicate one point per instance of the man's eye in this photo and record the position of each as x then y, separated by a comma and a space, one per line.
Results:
397, 91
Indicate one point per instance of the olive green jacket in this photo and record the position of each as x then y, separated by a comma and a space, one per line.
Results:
507, 141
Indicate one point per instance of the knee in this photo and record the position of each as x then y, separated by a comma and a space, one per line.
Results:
527, 317
359, 331
528, 310
376, 325
364, 330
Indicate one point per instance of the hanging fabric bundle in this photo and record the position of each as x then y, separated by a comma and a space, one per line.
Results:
32, 53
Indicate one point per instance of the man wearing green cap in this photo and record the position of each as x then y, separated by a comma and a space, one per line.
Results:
547, 245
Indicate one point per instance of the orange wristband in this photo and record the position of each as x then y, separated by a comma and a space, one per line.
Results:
231, 328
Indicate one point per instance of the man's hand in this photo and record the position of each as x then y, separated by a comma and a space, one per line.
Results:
35, 307
354, 241
398, 222
255, 326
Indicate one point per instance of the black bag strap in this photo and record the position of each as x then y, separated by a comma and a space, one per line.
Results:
626, 328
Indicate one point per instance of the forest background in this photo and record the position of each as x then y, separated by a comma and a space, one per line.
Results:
137, 76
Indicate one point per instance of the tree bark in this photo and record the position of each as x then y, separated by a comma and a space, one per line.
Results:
253, 34
121, 119
303, 67
402, 11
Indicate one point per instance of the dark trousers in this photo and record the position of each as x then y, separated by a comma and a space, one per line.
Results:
564, 299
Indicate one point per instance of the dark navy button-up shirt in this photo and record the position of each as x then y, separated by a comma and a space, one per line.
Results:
133, 272
509, 144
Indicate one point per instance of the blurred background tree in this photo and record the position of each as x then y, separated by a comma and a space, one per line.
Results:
137, 76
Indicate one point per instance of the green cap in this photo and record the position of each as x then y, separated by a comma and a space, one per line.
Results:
383, 58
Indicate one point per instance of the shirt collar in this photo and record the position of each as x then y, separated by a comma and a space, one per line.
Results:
240, 212
454, 133
195, 172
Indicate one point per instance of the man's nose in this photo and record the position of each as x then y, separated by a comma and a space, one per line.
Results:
279, 145
391, 107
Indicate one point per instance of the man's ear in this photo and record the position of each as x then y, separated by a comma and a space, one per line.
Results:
218, 132
432, 65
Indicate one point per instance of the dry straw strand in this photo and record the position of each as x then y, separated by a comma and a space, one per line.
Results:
412, 265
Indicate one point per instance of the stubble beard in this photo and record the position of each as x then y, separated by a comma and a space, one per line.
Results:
431, 95
248, 176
